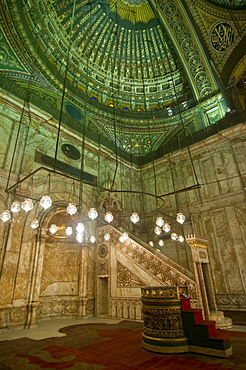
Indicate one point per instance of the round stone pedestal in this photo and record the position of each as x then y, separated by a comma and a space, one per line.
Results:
163, 331
221, 321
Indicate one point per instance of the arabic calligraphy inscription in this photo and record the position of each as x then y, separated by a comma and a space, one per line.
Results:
222, 37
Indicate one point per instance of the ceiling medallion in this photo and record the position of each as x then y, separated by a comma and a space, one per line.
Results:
70, 151
222, 37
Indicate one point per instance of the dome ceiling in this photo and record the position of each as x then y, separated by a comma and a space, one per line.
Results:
231, 4
120, 48
130, 69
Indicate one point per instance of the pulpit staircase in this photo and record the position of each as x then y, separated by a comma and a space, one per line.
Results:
202, 335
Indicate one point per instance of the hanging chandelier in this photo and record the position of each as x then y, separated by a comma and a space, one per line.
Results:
71, 209
109, 217
27, 205
92, 213
69, 230
134, 217
35, 224
159, 221
180, 218
15, 207
46, 201
5, 216
53, 229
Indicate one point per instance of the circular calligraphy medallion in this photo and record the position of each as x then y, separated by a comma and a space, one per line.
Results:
222, 37
70, 151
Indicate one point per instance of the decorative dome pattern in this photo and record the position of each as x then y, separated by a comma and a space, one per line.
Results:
121, 48
131, 68
233, 4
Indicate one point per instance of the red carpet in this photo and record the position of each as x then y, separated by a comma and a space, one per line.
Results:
108, 347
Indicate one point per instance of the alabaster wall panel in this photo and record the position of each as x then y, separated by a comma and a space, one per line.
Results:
60, 270
217, 210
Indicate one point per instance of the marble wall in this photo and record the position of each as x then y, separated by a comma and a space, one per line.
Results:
42, 277
216, 210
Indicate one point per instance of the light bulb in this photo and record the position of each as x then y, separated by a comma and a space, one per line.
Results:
159, 221
45, 201
151, 243
69, 230
157, 230
92, 239
166, 227
134, 217
92, 213
80, 227
180, 218
53, 229
123, 237
161, 243
35, 224
174, 236
107, 237
5, 216
27, 205
15, 207
109, 217
79, 237
71, 209
180, 238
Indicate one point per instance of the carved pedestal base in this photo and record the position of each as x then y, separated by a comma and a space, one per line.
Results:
163, 331
221, 321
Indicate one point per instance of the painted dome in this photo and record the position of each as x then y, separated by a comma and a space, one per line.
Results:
130, 69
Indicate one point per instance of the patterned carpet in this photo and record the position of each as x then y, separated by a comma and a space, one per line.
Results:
108, 347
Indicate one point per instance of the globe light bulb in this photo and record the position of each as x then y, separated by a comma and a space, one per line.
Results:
166, 227
35, 224
53, 229
15, 207
92, 239
92, 213
180, 238
5, 216
107, 237
174, 236
80, 227
69, 230
27, 205
79, 237
71, 209
45, 201
109, 217
125, 236
134, 217
180, 218
159, 221
157, 230
161, 243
